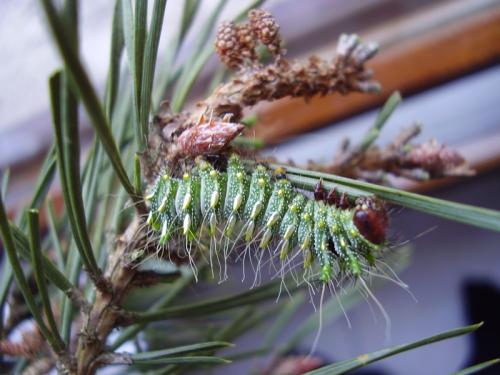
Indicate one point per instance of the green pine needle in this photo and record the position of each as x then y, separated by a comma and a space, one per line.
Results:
463, 213
365, 359
39, 272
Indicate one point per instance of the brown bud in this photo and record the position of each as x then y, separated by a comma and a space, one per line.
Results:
208, 138
436, 158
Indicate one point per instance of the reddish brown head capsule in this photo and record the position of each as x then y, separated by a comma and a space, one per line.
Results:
208, 138
319, 191
372, 222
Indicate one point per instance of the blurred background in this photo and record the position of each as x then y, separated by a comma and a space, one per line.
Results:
443, 56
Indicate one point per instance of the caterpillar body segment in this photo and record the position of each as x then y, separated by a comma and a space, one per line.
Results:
305, 233
267, 210
321, 238
163, 215
212, 195
348, 259
155, 199
290, 224
363, 247
276, 208
305, 229
187, 204
259, 192
236, 193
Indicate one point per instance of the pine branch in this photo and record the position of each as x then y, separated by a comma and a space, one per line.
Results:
80, 343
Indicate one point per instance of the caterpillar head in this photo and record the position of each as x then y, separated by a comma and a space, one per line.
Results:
370, 217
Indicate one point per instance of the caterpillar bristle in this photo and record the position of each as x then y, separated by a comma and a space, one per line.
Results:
237, 208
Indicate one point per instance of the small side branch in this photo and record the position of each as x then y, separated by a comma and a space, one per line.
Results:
400, 158
114, 359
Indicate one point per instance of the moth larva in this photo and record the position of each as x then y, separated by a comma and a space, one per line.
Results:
260, 208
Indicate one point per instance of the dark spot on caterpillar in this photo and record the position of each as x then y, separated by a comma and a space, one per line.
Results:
331, 247
218, 161
319, 191
332, 198
279, 173
344, 201
371, 221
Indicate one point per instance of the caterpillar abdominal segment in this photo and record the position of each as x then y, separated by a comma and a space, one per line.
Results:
260, 208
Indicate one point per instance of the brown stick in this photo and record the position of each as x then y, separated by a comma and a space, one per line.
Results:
105, 312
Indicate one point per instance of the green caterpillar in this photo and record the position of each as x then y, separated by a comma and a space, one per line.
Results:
263, 209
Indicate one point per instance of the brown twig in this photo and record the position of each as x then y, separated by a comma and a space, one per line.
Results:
400, 158
105, 311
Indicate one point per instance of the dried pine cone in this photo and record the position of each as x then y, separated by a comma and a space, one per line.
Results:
246, 42
227, 45
266, 29
236, 44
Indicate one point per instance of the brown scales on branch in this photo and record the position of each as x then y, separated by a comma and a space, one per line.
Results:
183, 135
